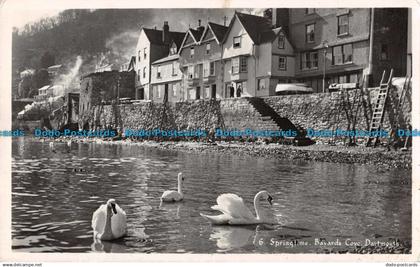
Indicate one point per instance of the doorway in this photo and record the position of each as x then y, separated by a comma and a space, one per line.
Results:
197, 93
166, 94
213, 91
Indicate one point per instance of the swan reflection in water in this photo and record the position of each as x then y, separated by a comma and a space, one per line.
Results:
108, 246
234, 237
118, 245
171, 209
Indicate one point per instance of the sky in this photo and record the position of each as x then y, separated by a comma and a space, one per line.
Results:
24, 16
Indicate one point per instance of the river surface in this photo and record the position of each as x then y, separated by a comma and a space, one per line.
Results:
55, 194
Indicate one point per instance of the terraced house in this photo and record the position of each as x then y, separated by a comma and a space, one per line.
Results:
257, 56
200, 59
166, 77
346, 43
152, 45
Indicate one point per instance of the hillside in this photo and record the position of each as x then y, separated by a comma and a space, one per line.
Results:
95, 35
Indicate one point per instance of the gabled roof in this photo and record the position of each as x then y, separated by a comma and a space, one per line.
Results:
217, 30
195, 34
258, 28
155, 36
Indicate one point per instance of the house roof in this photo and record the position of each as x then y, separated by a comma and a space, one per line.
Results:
258, 28
45, 87
196, 33
165, 59
54, 67
218, 30
155, 36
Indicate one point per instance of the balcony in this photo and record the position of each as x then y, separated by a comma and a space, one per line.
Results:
209, 79
240, 76
192, 81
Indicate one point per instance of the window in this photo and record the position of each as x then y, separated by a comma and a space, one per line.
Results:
342, 54
138, 75
384, 52
174, 89
144, 72
175, 66
235, 65
260, 84
139, 55
239, 64
281, 42
310, 33
237, 41
158, 75
244, 64
190, 72
314, 59
212, 69
309, 10
309, 60
145, 52
282, 63
208, 69
208, 47
343, 24
197, 71
192, 52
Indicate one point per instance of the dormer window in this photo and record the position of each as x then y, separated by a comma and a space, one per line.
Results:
237, 42
343, 24
173, 50
281, 42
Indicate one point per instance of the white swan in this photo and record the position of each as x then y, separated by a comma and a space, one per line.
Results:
109, 221
52, 147
234, 211
171, 195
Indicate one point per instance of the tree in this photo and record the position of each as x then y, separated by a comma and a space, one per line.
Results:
47, 60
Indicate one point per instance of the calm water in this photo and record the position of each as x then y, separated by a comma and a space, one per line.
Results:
54, 196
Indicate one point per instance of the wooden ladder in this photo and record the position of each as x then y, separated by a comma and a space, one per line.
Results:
378, 109
401, 104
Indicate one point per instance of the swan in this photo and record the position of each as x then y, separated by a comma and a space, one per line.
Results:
171, 195
109, 221
234, 211
52, 147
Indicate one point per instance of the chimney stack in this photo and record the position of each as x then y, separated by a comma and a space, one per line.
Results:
199, 28
165, 33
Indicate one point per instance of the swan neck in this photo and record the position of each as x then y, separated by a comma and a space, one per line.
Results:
180, 186
107, 229
257, 206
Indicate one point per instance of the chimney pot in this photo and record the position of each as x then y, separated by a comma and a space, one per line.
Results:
199, 22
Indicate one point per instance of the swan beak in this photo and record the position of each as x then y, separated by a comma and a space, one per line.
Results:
113, 208
270, 200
